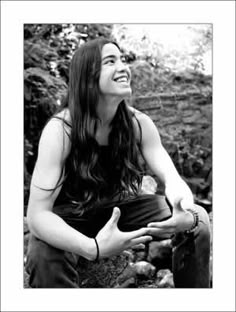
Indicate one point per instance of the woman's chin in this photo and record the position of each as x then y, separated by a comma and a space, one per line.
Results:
127, 93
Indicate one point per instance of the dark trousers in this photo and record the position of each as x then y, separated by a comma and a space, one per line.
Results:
50, 267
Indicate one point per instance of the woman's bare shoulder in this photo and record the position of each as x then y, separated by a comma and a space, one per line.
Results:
143, 119
63, 116
140, 118
144, 125
138, 114
56, 135
137, 122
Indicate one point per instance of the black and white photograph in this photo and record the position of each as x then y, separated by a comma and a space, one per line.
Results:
117, 156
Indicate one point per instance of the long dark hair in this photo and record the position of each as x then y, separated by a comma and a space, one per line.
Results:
84, 176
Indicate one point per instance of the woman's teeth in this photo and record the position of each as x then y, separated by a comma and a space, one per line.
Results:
122, 79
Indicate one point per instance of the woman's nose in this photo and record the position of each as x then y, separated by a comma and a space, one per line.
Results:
121, 65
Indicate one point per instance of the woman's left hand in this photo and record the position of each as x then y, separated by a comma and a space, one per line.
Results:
180, 221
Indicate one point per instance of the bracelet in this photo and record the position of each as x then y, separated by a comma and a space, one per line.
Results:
97, 257
195, 222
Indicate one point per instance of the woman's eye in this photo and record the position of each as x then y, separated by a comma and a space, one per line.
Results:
110, 62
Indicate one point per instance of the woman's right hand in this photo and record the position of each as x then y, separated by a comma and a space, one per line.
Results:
112, 241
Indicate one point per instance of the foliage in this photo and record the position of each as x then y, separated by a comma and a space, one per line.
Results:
172, 46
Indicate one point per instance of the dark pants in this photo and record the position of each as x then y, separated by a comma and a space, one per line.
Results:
50, 267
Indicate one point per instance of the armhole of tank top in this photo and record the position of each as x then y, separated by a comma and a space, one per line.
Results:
139, 141
65, 123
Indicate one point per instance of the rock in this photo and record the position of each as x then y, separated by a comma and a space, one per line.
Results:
144, 269
133, 273
165, 279
149, 185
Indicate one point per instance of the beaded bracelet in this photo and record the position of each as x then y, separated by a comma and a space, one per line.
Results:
97, 257
195, 222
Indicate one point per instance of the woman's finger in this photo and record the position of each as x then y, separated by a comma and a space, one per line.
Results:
115, 216
168, 224
137, 233
161, 232
185, 204
140, 240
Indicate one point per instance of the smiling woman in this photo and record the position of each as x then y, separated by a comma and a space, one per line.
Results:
115, 74
85, 197
114, 81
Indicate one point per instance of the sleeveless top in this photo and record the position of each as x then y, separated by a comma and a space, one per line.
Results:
107, 192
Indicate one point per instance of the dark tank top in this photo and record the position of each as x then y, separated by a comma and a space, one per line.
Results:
106, 192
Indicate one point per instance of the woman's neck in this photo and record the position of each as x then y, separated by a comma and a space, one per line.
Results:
106, 110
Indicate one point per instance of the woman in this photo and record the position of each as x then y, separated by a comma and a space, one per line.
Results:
85, 190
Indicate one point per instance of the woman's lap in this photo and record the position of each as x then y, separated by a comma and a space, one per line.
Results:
136, 212
51, 267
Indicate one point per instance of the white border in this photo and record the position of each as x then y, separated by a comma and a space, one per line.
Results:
14, 14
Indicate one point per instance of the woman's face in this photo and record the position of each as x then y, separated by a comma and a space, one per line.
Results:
115, 75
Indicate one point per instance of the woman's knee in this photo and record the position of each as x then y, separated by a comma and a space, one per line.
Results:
50, 267
41, 252
203, 215
204, 229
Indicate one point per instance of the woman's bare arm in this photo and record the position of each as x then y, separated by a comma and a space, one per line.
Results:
160, 162
177, 191
43, 223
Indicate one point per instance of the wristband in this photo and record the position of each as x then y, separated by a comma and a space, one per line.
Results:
97, 256
195, 222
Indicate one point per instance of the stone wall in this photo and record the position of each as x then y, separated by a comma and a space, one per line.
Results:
184, 121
